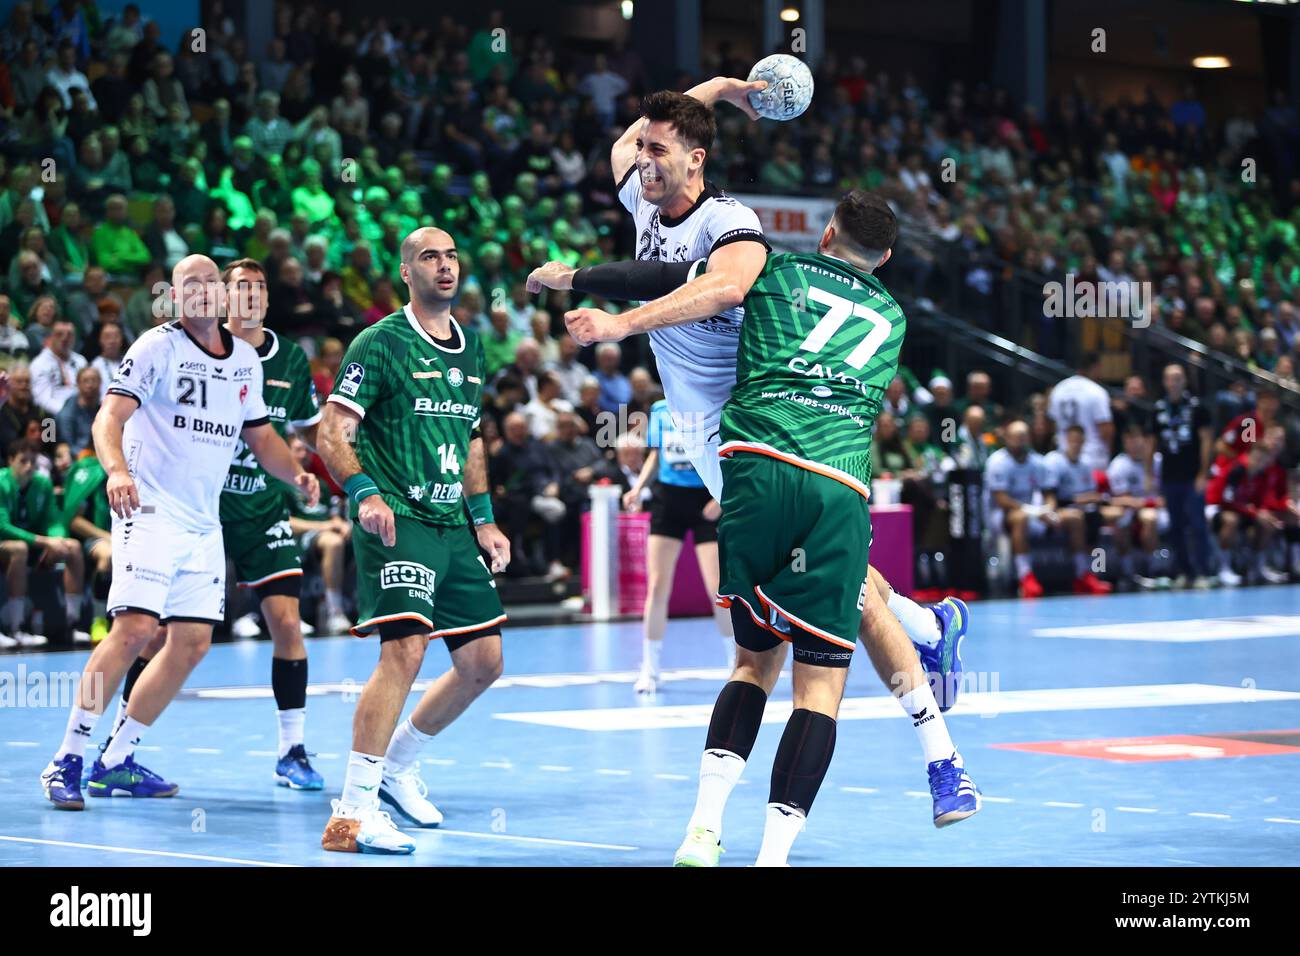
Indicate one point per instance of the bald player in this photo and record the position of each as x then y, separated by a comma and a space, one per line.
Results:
183, 397
400, 433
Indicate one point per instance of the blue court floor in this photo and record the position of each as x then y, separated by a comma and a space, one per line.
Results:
1128, 702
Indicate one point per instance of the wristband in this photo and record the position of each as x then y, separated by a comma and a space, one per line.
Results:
360, 486
480, 509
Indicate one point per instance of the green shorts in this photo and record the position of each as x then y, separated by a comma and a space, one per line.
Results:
793, 547
433, 575
262, 553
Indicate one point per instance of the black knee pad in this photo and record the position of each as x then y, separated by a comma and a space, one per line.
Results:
802, 759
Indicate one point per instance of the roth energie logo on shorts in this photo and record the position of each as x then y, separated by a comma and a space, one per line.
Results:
408, 574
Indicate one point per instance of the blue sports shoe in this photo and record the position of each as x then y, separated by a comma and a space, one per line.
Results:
943, 661
955, 795
61, 781
127, 779
295, 771
954, 792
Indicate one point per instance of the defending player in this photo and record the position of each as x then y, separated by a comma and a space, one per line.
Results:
409, 396
183, 395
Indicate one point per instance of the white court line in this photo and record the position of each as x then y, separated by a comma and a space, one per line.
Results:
614, 773
671, 776
1058, 803
497, 764
21, 743
438, 761
859, 789
917, 793
1137, 809
152, 748
201, 750
1281, 820
261, 753
996, 799
554, 768
1211, 816
167, 853
527, 839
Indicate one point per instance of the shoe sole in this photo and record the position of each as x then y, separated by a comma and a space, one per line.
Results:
286, 782
380, 851
385, 798
127, 793
957, 816
66, 804
964, 610
694, 863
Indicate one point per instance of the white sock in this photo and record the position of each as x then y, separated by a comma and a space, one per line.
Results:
920, 623
292, 722
81, 724
361, 785
72, 604
930, 726
783, 825
125, 739
404, 749
719, 771
121, 711
651, 652
1080, 565
1023, 565
334, 602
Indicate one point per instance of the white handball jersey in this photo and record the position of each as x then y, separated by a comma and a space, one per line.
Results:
1025, 481
1069, 478
193, 406
697, 361
1078, 400
1127, 476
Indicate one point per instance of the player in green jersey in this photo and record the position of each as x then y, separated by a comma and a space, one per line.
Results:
87, 516
400, 433
797, 431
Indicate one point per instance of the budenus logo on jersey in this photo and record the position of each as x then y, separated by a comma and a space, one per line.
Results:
416, 578
427, 406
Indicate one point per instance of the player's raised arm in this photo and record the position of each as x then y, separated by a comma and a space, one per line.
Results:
123, 497
490, 538
338, 428
274, 455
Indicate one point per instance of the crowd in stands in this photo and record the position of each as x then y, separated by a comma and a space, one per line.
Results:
122, 152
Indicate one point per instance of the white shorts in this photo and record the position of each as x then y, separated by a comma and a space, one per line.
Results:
708, 466
169, 572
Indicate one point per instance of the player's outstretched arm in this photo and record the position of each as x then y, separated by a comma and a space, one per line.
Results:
338, 430
274, 455
633, 280
106, 431
728, 89
479, 500
732, 270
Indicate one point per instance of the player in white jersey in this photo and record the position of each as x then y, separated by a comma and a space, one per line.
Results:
1079, 400
658, 164
1023, 502
185, 393
1134, 480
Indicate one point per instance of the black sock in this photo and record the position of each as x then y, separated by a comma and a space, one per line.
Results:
802, 759
100, 585
289, 682
736, 718
137, 668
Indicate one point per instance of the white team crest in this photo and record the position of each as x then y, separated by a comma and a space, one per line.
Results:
279, 530
455, 376
415, 492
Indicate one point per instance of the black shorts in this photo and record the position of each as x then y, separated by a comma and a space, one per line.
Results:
808, 647
397, 630
675, 510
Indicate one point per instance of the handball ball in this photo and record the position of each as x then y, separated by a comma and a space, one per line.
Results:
789, 87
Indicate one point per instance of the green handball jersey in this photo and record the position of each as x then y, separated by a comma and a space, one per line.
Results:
819, 345
85, 494
250, 496
419, 402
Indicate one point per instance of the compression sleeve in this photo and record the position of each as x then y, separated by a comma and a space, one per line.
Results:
636, 280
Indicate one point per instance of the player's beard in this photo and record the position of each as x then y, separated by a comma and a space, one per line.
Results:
433, 299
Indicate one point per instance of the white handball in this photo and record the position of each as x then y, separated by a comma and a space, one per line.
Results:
789, 87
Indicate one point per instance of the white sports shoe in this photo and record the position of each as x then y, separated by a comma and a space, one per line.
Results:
1229, 578
305, 629
30, 640
1273, 576
246, 627
337, 624
364, 830
80, 637
406, 793
7, 642
647, 683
